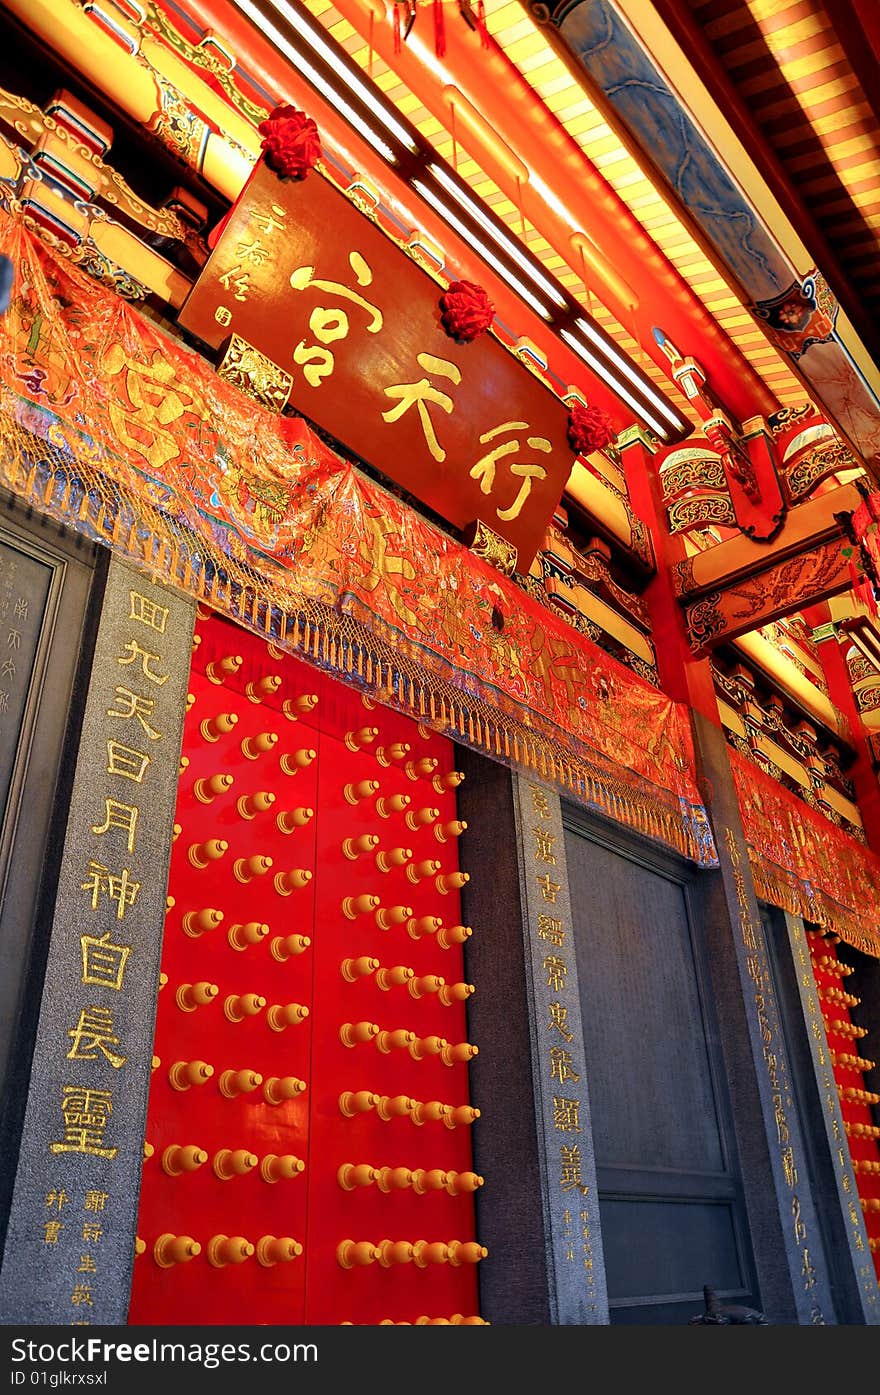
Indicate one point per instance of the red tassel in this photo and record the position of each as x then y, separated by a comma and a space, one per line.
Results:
865, 593
439, 30
397, 28
481, 24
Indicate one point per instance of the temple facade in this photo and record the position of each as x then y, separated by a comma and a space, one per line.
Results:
439, 663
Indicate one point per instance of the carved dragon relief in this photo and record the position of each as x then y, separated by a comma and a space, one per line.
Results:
767, 595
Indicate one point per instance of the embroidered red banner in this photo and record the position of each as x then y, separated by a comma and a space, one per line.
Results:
113, 427
803, 863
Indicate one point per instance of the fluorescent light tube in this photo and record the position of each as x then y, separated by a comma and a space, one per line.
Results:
364, 90
625, 367
433, 198
284, 46
513, 249
601, 370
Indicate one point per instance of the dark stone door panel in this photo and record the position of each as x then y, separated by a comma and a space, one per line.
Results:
672, 1213
49, 585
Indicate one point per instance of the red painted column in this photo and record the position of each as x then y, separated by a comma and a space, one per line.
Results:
683, 677
862, 773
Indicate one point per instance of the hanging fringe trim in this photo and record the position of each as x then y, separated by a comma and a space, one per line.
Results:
781, 888
166, 548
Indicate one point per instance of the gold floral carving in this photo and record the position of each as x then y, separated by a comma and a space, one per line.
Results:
177, 126
767, 596
787, 417
246, 368
818, 465
203, 57
29, 124
699, 472
704, 512
495, 550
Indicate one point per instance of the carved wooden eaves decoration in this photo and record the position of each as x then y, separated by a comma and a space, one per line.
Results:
740, 460
766, 595
749, 475
772, 730
53, 170
739, 585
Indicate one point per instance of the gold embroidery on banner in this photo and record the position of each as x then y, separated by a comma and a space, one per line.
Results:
164, 546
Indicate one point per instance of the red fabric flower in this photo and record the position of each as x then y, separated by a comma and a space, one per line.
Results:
589, 429
465, 311
290, 142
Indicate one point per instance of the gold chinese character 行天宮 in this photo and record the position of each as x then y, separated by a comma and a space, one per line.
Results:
95, 1201
82, 1294
92, 1232
57, 1198
484, 468
329, 325
372, 362
86, 1115
51, 1231
419, 394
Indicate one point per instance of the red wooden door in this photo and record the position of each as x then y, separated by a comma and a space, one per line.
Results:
308, 1127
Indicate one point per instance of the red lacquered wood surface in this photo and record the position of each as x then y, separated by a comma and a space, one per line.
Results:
378, 842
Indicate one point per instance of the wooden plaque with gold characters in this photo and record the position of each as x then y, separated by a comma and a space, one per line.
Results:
310, 282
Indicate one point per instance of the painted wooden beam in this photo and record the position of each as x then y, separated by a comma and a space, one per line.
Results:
808, 526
